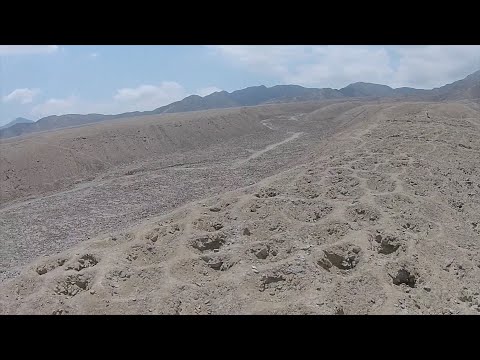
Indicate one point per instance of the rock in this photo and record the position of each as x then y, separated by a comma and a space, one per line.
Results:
215, 264
154, 238
217, 226
246, 232
215, 209
262, 253
92, 292
339, 310
427, 288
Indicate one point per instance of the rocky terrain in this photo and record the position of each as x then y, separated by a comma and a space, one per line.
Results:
341, 207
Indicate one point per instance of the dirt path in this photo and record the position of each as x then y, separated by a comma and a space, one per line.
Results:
258, 153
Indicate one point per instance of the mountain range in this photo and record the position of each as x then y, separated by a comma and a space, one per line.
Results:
467, 88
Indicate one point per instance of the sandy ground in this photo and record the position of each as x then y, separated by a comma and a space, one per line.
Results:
334, 208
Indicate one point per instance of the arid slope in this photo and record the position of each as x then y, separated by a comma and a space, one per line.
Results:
376, 213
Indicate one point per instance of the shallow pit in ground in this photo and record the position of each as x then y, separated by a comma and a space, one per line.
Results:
406, 277
272, 280
74, 284
267, 193
343, 257
363, 213
85, 261
49, 266
263, 251
387, 243
209, 242
307, 210
209, 225
218, 262
329, 232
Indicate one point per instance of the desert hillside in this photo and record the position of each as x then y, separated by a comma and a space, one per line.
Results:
55, 160
341, 207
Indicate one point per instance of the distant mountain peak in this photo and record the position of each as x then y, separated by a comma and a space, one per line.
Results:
360, 89
22, 119
18, 120
193, 97
476, 73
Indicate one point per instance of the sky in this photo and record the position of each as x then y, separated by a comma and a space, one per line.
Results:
42, 80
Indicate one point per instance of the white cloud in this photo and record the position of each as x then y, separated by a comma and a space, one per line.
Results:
22, 96
93, 55
27, 49
435, 65
207, 90
271, 59
149, 97
141, 98
56, 107
337, 66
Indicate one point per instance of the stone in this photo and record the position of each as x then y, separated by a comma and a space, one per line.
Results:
262, 253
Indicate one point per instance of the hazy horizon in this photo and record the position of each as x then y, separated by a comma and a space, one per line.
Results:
43, 80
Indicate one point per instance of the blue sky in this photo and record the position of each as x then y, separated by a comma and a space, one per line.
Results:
37, 81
